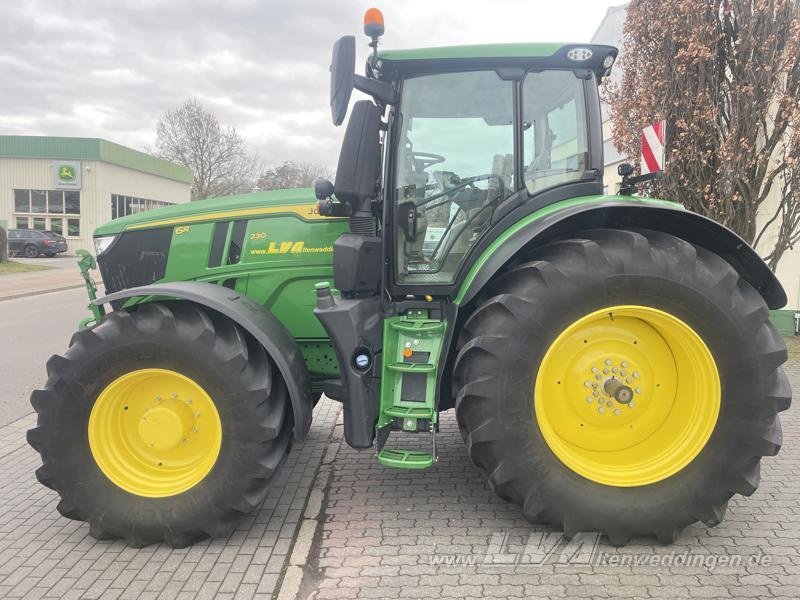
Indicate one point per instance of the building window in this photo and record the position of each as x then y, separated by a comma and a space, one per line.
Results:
122, 206
55, 202
47, 210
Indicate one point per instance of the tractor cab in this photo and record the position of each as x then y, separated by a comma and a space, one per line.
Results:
453, 147
456, 138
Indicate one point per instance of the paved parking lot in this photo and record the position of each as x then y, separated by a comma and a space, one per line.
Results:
339, 525
45, 555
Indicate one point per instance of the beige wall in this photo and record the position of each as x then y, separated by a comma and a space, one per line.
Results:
99, 181
788, 271
611, 178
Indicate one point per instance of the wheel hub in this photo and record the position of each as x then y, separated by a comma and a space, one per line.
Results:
154, 432
620, 392
163, 428
627, 395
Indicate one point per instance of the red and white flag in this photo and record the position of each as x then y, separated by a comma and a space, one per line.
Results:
653, 147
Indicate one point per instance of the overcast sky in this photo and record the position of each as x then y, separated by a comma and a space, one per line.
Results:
110, 68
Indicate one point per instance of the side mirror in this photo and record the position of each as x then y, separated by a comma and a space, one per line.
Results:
323, 188
344, 79
343, 66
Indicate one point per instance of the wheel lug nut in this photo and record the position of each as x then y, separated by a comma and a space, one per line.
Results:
608, 361
601, 410
627, 380
609, 404
638, 390
624, 364
594, 369
630, 404
623, 373
636, 374
589, 398
617, 412
605, 371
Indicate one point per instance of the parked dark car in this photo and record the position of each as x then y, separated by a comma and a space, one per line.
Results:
56, 236
32, 243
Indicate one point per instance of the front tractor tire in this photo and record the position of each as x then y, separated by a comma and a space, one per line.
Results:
622, 382
164, 422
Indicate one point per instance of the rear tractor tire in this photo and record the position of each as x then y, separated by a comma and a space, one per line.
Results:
622, 382
162, 423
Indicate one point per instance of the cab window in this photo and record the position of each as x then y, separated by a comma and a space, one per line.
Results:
455, 163
555, 143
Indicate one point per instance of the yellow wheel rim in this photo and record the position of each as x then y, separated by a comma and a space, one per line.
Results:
154, 432
627, 396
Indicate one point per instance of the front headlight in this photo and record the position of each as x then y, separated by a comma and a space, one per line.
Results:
101, 244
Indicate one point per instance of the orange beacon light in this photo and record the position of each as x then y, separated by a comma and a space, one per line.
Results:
373, 23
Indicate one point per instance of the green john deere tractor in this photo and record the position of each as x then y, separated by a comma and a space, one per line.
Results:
609, 358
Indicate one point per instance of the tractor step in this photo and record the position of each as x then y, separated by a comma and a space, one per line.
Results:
409, 412
405, 459
412, 344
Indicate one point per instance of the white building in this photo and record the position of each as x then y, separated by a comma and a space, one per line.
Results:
610, 31
72, 185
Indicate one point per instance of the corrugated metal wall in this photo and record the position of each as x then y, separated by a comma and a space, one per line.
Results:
98, 182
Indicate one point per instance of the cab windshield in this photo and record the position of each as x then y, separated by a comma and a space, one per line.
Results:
455, 159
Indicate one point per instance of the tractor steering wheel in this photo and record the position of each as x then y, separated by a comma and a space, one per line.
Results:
424, 160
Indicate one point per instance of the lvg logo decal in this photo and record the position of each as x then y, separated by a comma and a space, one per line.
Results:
288, 247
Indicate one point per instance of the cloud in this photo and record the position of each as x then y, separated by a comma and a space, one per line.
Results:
110, 69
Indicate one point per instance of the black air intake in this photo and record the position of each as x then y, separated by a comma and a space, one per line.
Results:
135, 258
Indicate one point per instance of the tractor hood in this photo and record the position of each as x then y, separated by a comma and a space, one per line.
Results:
299, 201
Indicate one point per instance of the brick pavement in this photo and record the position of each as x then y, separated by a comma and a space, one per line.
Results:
339, 525
45, 555
382, 532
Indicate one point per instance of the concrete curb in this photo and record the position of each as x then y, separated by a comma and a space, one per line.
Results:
39, 292
310, 524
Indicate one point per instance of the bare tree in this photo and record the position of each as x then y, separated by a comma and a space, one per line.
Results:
217, 156
3, 244
725, 74
291, 175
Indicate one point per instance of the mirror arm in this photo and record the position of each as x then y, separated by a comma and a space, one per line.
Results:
379, 90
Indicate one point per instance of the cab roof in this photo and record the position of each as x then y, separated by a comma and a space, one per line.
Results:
549, 55
476, 51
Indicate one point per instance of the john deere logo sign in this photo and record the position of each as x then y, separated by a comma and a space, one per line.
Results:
67, 175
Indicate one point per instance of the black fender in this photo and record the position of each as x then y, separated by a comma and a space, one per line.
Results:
633, 214
253, 318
